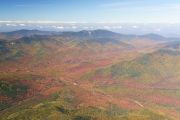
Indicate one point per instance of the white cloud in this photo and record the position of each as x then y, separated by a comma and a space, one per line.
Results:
0, 25
40, 26
134, 26
144, 29
5, 21
158, 29
74, 27
11, 24
117, 27
22, 24
85, 27
59, 27
107, 27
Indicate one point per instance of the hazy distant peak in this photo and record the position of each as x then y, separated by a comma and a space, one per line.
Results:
153, 36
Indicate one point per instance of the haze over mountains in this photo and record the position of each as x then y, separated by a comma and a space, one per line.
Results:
86, 33
95, 74
168, 29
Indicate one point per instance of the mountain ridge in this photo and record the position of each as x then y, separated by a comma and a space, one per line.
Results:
85, 33
25, 33
109, 34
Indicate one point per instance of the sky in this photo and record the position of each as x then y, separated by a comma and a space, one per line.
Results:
128, 16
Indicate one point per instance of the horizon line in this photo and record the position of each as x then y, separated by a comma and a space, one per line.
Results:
80, 22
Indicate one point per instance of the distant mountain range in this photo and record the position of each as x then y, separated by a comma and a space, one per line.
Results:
38, 45
24, 33
85, 33
91, 41
109, 34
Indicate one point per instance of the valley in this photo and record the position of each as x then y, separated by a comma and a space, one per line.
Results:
89, 75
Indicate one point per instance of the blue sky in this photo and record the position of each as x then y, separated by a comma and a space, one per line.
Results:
61, 14
91, 10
